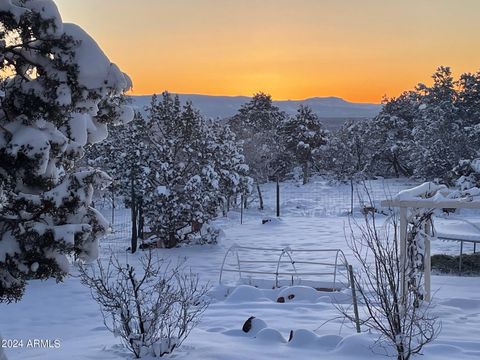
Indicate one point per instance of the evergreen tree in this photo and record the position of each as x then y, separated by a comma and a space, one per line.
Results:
346, 153
257, 124
468, 103
303, 135
230, 164
124, 156
466, 175
57, 84
438, 135
182, 183
389, 141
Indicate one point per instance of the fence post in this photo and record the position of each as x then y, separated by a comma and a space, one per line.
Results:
278, 198
351, 196
241, 209
354, 298
113, 204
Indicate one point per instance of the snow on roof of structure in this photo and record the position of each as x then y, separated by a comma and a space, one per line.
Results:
432, 195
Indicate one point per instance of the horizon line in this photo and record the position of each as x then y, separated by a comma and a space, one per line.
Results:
250, 96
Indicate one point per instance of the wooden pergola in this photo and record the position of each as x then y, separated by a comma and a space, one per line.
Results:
421, 203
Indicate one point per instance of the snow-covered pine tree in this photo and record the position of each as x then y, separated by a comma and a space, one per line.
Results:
346, 153
56, 83
389, 141
182, 191
466, 175
438, 135
124, 156
468, 103
229, 163
257, 124
303, 135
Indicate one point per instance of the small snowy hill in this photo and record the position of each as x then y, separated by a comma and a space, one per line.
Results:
226, 106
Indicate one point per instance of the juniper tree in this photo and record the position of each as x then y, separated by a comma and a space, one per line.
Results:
230, 163
56, 84
182, 183
303, 135
257, 124
438, 135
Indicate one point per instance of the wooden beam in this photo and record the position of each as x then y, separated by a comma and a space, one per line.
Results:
429, 204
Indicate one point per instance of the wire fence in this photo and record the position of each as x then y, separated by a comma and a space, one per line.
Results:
321, 198
318, 198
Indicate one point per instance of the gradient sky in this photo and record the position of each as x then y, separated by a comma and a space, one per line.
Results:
356, 49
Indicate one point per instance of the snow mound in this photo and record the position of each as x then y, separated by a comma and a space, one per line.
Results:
270, 335
329, 342
303, 338
299, 293
361, 346
253, 325
246, 293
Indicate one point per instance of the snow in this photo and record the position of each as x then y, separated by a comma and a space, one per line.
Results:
425, 190
48, 10
65, 311
9, 246
7, 6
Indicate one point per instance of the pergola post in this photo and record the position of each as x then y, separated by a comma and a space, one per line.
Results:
427, 262
421, 203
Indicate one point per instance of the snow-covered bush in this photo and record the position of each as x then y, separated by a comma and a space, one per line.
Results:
55, 91
153, 310
467, 174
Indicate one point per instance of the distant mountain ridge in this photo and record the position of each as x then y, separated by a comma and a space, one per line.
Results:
226, 106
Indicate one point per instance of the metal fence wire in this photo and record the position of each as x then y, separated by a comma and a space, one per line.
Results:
322, 198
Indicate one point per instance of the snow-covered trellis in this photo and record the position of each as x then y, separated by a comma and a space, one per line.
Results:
417, 205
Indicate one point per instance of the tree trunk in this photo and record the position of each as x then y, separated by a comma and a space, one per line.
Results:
141, 219
395, 166
260, 197
305, 173
134, 217
171, 241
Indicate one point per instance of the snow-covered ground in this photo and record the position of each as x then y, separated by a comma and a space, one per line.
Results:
66, 311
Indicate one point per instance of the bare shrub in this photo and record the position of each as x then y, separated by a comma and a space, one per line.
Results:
403, 321
152, 311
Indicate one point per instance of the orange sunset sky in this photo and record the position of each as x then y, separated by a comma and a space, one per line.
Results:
355, 49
